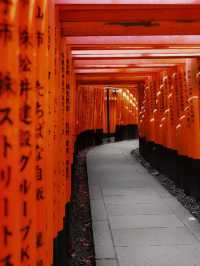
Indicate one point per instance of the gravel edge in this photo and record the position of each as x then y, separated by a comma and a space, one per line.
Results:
81, 250
189, 202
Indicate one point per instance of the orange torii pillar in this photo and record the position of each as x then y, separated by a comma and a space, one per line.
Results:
27, 140
23, 85
10, 228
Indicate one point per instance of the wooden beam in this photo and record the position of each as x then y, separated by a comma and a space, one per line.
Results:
118, 41
132, 5
117, 70
133, 51
126, 62
124, 66
124, 28
125, 83
119, 2
128, 20
129, 85
113, 77
137, 56
130, 12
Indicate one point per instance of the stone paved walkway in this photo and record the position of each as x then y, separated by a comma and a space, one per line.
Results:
136, 222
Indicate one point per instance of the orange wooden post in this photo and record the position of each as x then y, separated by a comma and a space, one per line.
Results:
90, 114
183, 118
168, 111
173, 111
154, 118
61, 148
145, 114
162, 107
104, 112
49, 162
56, 124
92, 106
198, 80
118, 107
73, 114
28, 170
165, 132
79, 97
193, 123
82, 114
115, 111
148, 99
41, 88
181, 130
160, 112
68, 121
141, 110
9, 137
177, 108
97, 107
102, 107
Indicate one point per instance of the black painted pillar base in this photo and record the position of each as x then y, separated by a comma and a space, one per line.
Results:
184, 171
61, 243
126, 132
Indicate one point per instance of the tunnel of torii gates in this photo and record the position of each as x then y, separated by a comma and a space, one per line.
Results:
60, 63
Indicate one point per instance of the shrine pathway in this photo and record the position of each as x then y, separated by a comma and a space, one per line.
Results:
136, 222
